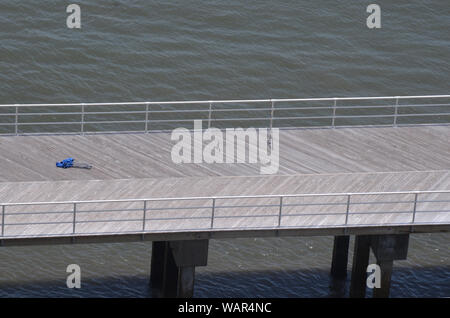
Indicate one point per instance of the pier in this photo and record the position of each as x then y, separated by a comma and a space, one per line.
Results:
379, 182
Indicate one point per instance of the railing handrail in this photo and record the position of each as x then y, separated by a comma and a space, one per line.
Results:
141, 220
268, 196
271, 110
278, 100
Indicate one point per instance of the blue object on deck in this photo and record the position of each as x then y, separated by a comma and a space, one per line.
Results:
66, 163
70, 163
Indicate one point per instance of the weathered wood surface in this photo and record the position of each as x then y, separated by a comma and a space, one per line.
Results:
128, 156
138, 166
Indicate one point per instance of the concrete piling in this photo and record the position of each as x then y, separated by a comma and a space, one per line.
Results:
360, 262
173, 267
385, 284
157, 264
386, 249
340, 257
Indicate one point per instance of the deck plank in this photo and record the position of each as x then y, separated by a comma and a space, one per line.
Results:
128, 166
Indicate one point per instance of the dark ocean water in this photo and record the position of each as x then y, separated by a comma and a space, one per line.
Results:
193, 50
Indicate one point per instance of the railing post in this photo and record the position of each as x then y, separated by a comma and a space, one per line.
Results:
272, 111
16, 121
82, 119
3, 220
144, 216
212, 212
414, 208
348, 209
395, 112
209, 114
146, 117
279, 212
333, 119
74, 217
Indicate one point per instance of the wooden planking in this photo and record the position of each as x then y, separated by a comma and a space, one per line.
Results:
117, 220
139, 166
204, 186
124, 156
49, 191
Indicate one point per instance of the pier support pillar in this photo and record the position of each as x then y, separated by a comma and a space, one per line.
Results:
173, 267
157, 264
359, 268
385, 284
388, 248
340, 257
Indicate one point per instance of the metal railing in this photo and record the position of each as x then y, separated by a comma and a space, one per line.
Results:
216, 213
87, 118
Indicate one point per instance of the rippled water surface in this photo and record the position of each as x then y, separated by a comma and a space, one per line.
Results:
192, 50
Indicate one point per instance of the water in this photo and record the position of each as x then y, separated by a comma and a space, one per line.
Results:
201, 50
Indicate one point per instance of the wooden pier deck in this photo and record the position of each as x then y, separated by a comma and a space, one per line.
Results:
139, 166
302, 151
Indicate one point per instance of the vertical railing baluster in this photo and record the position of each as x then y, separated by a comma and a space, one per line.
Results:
3, 220
74, 217
395, 111
82, 119
272, 111
146, 117
16, 121
144, 217
414, 208
212, 212
333, 119
348, 209
279, 211
209, 114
